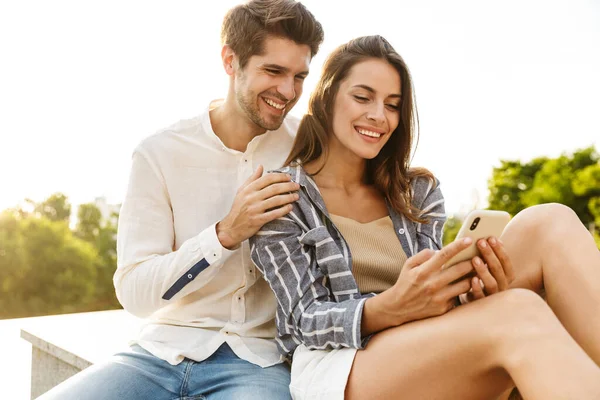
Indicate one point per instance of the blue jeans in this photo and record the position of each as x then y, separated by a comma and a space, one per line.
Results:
137, 374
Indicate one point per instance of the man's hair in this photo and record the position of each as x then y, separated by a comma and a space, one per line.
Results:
246, 27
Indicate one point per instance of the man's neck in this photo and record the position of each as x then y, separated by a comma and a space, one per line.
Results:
232, 126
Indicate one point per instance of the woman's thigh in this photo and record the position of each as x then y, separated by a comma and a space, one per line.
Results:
134, 374
454, 356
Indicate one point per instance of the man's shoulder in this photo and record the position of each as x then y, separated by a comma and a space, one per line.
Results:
172, 133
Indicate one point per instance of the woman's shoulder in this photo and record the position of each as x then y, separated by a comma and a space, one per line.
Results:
423, 180
297, 173
425, 186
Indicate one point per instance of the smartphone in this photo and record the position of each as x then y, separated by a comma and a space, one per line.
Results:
479, 224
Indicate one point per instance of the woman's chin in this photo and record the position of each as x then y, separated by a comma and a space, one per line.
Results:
368, 155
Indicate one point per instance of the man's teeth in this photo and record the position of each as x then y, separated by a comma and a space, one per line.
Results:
273, 104
369, 133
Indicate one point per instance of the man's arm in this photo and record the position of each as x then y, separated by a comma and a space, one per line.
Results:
150, 272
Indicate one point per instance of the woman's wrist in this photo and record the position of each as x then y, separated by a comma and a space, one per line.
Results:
379, 313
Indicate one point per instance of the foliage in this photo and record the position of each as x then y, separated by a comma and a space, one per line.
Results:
47, 268
55, 208
451, 229
102, 235
570, 179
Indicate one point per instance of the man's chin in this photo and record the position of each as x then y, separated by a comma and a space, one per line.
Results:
272, 124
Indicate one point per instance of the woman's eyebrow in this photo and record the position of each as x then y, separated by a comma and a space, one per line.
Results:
371, 90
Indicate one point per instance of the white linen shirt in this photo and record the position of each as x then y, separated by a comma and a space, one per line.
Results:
172, 269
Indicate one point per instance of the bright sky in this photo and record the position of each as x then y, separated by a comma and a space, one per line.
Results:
81, 83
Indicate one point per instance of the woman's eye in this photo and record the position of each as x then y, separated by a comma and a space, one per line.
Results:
360, 98
394, 106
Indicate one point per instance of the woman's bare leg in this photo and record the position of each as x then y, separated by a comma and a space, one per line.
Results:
552, 252
473, 351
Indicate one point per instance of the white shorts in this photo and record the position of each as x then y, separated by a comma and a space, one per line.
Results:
320, 374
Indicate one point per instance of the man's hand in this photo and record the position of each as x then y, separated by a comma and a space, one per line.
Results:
259, 200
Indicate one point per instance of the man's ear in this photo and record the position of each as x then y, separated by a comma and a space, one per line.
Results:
229, 60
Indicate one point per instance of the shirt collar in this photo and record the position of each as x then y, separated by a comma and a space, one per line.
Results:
210, 133
300, 176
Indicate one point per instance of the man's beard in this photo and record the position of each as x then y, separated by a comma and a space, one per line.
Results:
248, 103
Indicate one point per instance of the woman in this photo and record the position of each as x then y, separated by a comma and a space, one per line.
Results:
366, 223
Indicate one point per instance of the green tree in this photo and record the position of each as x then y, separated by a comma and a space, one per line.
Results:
451, 228
55, 208
570, 179
12, 256
509, 182
89, 222
101, 233
46, 269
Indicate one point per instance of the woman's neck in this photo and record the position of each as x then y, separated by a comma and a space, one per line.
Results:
342, 170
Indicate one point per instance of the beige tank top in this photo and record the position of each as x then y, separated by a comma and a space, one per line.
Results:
377, 255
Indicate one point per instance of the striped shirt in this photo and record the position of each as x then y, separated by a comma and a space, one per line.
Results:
308, 265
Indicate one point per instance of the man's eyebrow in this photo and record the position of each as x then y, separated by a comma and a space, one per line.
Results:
275, 66
282, 69
371, 90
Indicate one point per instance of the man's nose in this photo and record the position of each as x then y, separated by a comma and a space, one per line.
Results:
287, 89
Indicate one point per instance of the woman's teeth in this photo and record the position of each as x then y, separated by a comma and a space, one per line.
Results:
273, 104
369, 133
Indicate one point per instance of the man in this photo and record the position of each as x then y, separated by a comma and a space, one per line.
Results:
196, 193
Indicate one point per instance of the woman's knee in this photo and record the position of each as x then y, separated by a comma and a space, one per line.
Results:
539, 218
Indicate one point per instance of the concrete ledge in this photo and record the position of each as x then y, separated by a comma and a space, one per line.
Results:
63, 345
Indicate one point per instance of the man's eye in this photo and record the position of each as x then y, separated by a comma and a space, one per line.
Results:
273, 71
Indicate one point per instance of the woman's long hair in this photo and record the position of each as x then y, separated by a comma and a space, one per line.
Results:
389, 171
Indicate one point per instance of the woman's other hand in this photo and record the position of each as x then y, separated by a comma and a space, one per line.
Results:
494, 269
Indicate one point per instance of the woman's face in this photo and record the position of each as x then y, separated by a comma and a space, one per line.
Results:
367, 108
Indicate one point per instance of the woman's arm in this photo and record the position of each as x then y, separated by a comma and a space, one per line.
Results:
431, 204
290, 267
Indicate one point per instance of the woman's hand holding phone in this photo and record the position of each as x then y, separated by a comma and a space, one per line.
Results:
493, 269
430, 283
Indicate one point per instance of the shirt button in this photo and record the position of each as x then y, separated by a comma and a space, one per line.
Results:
190, 276
401, 231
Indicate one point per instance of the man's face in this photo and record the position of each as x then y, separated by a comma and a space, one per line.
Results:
270, 84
